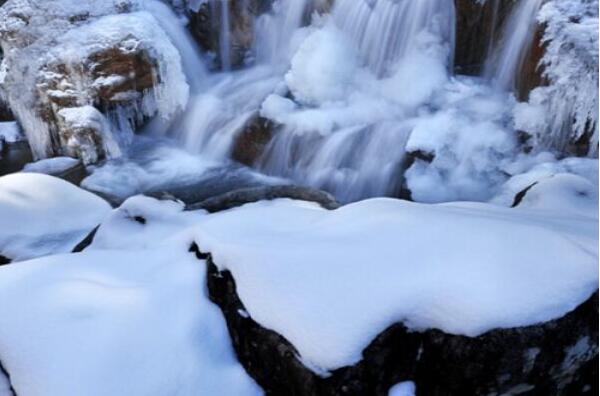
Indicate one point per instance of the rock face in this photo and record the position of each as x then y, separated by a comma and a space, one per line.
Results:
81, 78
559, 357
251, 142
247, 195
208, 28
478, 28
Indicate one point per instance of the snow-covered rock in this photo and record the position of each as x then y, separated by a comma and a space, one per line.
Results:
329, 282
41, 215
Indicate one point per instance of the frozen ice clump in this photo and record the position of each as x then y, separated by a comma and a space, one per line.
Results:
323, 68
41, 215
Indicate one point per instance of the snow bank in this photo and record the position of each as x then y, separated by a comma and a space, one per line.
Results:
331, 281
41, 215
116, 322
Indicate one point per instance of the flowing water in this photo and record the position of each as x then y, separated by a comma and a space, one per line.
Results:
352, 159
505, 61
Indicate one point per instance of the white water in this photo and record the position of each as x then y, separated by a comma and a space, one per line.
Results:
507, 58
360, 81
385, 30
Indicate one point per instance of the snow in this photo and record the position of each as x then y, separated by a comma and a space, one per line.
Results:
41, 215
142, 222
331, 281
544, 166
51, 166
407, 388
116, 322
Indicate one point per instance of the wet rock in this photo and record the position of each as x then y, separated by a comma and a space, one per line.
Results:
559, 357
14, 156
243, 196
206, 25
478, 25
251, 142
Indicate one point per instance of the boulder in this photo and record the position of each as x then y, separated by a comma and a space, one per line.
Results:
559, 357
248, 195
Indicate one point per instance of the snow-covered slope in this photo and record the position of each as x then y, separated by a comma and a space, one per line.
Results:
330, 281
41, 215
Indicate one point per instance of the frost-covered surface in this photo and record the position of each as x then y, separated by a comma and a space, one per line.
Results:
330, 281
51, 166
116, 322
41, 215
48, 46
567, 108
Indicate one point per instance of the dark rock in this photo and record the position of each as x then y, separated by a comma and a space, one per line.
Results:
477, 27
87, 241
243, 196
14, 156
74, 175
205, 26
521, 194
251, 142
4, 260
408, 161
559, 357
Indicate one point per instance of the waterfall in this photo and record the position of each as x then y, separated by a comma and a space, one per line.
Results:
507, 58
365, 158
218, 113
385, 30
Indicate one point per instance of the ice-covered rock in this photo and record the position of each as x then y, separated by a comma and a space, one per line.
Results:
81, 76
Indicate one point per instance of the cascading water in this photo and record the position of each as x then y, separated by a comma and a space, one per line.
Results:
516, 39
385, 30
347, 92
340, 158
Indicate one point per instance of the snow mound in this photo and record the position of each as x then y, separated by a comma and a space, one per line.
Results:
41, 214
142, 222
331, 281
116, 323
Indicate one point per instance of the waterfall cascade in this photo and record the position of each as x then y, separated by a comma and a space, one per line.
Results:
351, 92
506, 59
